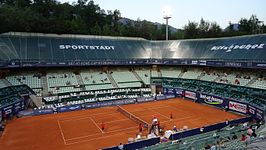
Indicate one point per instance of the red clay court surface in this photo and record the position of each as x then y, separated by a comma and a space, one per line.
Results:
80, 130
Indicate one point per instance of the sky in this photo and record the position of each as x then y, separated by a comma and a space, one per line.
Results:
182, 11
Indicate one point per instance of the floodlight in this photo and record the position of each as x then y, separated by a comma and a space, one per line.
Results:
167, 14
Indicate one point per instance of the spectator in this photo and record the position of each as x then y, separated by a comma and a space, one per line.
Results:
121, 146
220, 144
207, 147
243, 138
250, 132
175, 129
102, 126
245, 126
213, 147
234, 137
140, 127
171, 115
254, 134
237, 81
164, 139
138, 137
248, 137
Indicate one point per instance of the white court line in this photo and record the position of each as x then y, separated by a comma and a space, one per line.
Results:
177, 119
144, 109
98, 118
61, 131
181, 110
160, 114
86, 116
99, 133
80, 118
120, 129
96, 125
108, 131
95, 114
93, 139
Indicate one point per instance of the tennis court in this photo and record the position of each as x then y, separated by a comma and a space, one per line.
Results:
80, 130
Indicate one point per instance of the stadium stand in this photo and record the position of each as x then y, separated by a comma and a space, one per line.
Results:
231, 68
208, 76
191, 74
144, 74
261, 84
62, 82
2, 84
171, 72
31, 80
125, 78
94, 77
227, 138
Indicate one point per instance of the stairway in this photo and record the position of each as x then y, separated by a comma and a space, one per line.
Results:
217, 79
181, 74
159, 74
36, 100
112, 80
6, 82
252, 81
200, 76
137, 76
44, 84
80, 82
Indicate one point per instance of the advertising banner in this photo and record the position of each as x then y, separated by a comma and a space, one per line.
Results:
178, 92
109, 103
259, 114
160, 97
255, 112
43, 111
238, 107
213, 100
145, 99
1, 116
168, 96
13, 108
69, 108
252, 110
170, 91
18, 107
123, 102
191, 95
165, 90
91, 105
196, 62
8, 110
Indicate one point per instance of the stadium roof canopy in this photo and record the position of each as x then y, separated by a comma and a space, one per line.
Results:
51, 47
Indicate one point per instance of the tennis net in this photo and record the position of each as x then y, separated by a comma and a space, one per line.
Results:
133, 117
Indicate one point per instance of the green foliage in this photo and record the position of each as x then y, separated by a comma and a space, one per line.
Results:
191, 30
205, 29
86, 17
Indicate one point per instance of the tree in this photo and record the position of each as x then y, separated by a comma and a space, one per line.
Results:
191, 30
96, 30
250, 26
214, 30
86, 17
203, 28
245, 26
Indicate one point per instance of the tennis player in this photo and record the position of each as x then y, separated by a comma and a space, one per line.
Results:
102, 126
140, 128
